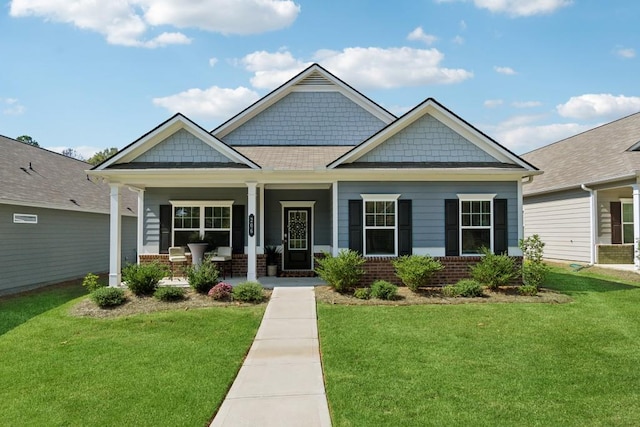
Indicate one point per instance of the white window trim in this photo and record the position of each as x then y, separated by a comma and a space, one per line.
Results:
379, 198
622, 221
202, 204
475, 198
19, 218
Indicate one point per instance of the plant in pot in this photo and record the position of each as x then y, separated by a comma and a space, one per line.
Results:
272, 259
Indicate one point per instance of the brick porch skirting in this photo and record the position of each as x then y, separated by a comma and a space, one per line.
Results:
376, 268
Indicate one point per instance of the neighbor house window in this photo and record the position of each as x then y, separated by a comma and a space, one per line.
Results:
627, 221
206, 220
476, 223
380, 224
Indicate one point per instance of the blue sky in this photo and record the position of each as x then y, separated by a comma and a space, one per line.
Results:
91, 74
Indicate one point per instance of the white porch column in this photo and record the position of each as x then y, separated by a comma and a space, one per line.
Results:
140, 223
115, 237
251, 250
334, 210
262, 217
636, 225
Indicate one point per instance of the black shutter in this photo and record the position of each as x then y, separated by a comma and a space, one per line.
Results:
500, 227
355, 225
405, 246
616, 222
451, 227
237, 229
165, 228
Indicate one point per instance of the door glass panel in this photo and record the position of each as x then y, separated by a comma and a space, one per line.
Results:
298, 221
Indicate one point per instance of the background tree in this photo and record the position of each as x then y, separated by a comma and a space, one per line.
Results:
70, 152
103, 155
28, 140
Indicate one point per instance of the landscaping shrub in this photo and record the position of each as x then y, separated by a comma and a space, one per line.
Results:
169, 293
143, 279
362, 293
528, 290
464, 288
534, 270
342, 272
108, 297
92, 282
221, 292
416, 270
248, 292
381, 289
202, 277
494, 270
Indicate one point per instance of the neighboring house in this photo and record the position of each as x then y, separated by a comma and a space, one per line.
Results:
586, 206
54, 219
316, 166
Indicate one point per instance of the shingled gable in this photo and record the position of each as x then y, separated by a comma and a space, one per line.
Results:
212, 152
488, 153
313, 78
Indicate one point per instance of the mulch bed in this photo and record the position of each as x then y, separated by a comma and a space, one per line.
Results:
433, 295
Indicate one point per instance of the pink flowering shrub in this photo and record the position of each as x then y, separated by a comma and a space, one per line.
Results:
221, 292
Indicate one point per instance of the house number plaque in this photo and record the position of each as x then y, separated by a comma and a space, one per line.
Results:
252, 225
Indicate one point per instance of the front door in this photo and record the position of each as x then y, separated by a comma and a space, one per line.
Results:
297, 239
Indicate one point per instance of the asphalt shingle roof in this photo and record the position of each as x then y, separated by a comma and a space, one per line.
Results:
37, 177
293, 158
599, 154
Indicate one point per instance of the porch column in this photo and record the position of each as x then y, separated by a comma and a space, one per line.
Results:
334, 216
262, 217
115, 236
140, 223
636, 225
251, 250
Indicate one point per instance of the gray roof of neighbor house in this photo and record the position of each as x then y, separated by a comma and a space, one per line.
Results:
33, 176
607, 153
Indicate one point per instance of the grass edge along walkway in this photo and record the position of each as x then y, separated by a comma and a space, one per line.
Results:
488, 364
165, 368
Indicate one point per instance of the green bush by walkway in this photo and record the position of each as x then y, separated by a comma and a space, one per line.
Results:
572, 364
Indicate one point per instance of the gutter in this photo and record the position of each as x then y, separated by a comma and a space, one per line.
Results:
592, 228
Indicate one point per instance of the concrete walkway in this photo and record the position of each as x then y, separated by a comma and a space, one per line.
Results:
280, 383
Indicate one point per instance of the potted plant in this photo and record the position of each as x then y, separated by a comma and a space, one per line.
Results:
272, 259
198, 246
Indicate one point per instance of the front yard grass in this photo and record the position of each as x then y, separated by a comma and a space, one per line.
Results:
568, 364
165, 368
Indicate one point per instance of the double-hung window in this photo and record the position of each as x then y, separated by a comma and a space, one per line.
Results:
380, 224
627, 221
476, 222
206, 220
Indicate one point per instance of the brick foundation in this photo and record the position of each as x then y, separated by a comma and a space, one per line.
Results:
615, 254
455, 268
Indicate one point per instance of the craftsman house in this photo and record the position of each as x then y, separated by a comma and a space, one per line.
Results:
586, 206
316, 166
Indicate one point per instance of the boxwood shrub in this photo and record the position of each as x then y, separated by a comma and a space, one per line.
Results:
381, 289
416, 270
143, 279
169, 293
108, 297
248, 292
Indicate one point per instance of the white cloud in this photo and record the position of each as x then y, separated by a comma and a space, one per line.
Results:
127, 22
213, 62
493, 103
625, 52
526, 104
463, 25
517, 8
371, 67
11, 107
419, 35
214, 102
520, 133
508, 71
603, 105
458, 40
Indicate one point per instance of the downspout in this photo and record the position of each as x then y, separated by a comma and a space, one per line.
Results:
592, 210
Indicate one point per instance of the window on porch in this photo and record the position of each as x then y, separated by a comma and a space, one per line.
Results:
627, 222
208, 220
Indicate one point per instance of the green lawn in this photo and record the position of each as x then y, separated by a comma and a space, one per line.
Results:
161, 369
575, 364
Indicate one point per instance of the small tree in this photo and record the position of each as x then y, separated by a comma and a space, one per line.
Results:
101, 156
534, 270
28, 140
343, 272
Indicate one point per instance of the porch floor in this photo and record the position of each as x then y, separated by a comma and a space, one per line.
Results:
266, 282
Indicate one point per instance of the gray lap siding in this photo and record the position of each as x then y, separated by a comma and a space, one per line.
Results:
427, 206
